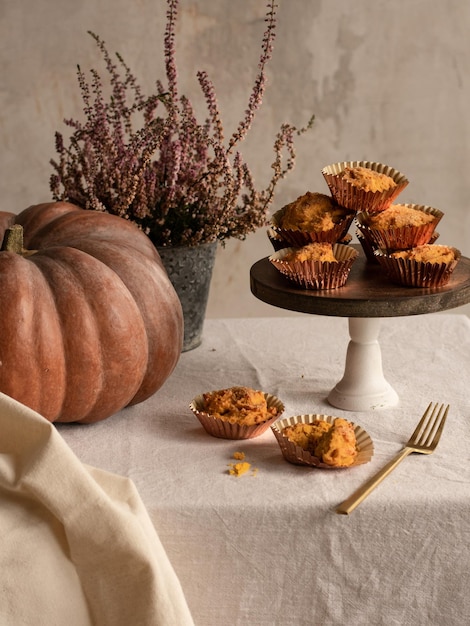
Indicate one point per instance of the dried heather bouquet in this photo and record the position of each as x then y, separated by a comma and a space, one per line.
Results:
148, 159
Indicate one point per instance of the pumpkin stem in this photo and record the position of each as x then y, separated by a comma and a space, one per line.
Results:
13, 241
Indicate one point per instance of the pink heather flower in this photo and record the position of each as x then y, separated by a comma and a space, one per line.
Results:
174, 176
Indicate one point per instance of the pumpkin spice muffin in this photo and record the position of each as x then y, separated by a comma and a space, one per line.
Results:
311, 212
428, 265
236, 412
400, 227
316, 265
333, 444
238, 405
322, 441
364, 185
312, 217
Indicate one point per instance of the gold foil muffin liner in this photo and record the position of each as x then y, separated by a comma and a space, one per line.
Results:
298, 238
277, 242
356, 199
402, 237
317, 274
345, 240
411, 273
217, 427
368, 247
298, 456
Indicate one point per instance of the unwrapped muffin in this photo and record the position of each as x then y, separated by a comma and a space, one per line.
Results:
316, 265
312, 217
322, 441
400, 227
364, 185
337, 447
332, 443
307, 436
428, 265
236, 412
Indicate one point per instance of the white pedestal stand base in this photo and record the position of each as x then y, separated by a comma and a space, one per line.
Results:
363, 386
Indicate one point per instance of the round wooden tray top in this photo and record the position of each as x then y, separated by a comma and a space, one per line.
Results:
368, 292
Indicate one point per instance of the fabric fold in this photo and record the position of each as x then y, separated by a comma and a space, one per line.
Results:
78, 544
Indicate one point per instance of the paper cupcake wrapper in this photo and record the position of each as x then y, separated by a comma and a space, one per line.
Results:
403, 237
298, 456
225, 430
298, 238
317, 274
351, 197
412, 273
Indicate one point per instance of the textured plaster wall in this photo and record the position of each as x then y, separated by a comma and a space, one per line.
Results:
387, 81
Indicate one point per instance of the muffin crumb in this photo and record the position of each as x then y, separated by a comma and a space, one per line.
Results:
238, 469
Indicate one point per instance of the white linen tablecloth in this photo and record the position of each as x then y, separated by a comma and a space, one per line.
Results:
267, 548
77, 545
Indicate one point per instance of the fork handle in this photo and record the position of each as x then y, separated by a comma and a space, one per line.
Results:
360, 494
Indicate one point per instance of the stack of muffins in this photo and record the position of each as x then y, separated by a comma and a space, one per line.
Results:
310, 235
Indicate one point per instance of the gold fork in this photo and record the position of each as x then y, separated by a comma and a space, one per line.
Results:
424, 440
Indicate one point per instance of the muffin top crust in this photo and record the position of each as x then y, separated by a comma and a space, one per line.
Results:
367, 179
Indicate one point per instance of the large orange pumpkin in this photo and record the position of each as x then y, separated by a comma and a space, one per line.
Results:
89, 320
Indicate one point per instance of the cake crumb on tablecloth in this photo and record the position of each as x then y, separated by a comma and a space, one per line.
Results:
242, 467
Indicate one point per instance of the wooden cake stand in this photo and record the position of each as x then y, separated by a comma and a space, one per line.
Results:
366, 298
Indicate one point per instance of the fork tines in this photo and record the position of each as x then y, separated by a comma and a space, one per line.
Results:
429, 429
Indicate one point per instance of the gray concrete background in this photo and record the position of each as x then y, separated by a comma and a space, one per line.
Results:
387, 80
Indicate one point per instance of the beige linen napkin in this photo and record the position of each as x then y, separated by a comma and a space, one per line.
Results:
77, 546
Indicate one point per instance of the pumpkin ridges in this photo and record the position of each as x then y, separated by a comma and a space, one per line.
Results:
115, 318
34, 344
170, 322
79, 344
71, 224
158, 304
36, 217
154, 338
